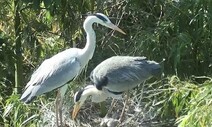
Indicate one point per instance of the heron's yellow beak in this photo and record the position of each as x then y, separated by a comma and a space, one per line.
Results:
114, 27
76, 110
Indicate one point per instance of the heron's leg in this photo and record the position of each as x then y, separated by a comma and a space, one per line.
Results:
56, 108
125, 103
60, 111
61, 95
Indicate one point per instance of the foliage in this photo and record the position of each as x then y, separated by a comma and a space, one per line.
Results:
187, 101
198, 112
179, 31
15, 113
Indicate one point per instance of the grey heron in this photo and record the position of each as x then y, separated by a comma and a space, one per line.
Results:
114, 76
63, 67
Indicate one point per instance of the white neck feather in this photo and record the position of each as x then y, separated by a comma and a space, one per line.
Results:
88, 50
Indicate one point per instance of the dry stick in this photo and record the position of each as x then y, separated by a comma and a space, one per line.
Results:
125, 103
111, 107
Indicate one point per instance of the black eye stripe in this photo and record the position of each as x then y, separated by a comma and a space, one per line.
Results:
101, 17
78, 96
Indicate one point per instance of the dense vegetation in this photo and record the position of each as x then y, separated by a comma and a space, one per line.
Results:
179, 31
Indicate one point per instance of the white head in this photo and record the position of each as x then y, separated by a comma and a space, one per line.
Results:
81, 95
103, 20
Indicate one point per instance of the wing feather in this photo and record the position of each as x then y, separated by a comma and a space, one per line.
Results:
123, 72
52, 73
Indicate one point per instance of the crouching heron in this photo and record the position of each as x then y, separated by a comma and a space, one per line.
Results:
114, 76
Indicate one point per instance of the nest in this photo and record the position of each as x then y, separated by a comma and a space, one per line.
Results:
136, 114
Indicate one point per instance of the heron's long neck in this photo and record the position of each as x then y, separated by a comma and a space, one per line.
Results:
89, 48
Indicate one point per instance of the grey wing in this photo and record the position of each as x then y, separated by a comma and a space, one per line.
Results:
126, 78
51, 75
123, 73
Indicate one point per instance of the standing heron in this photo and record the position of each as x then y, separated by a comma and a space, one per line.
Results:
114, 76
63, 67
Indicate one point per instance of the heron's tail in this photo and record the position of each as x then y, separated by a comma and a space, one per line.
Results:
157, 71
155, 68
